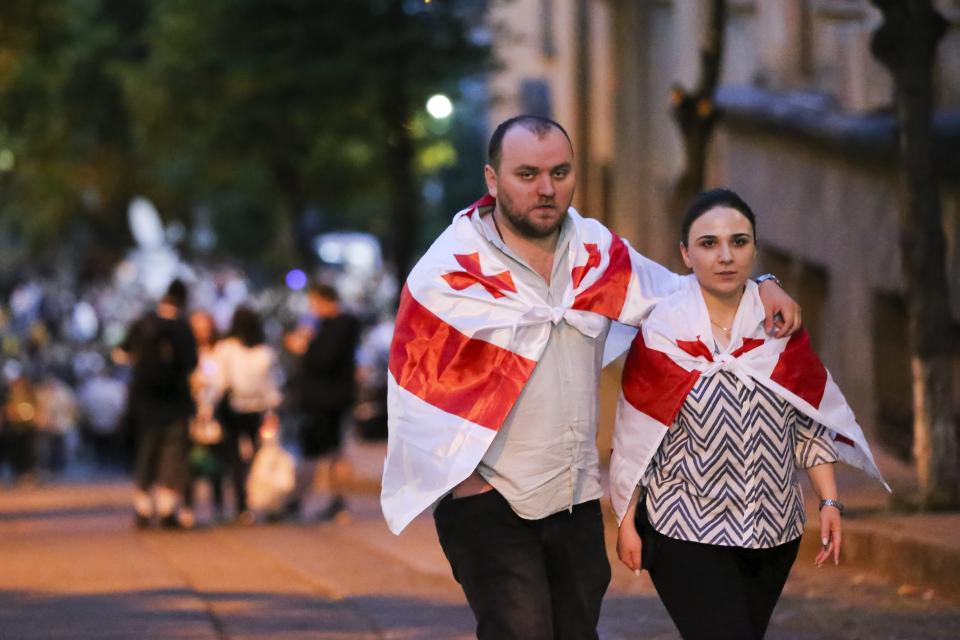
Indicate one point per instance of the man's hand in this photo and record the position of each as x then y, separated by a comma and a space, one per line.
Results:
782, 313
473, 485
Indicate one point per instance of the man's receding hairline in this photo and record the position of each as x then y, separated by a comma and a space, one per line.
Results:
539, 126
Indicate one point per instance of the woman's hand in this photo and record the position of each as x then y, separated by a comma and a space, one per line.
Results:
825, 483
831, 534
782, 312
629, 545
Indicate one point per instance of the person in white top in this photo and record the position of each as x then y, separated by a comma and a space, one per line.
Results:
248, 395
207, 459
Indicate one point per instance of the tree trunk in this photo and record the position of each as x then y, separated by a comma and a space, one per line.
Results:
696, 114
404, 221
906, 43
583, 112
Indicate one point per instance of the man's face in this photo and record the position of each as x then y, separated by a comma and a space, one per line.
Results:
322, 307
535, 182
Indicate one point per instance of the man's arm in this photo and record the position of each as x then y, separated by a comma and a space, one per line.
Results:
657, 282
781, 311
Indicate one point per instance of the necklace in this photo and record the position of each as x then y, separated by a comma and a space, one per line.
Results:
722, 328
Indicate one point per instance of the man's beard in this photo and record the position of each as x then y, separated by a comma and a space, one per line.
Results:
523, 225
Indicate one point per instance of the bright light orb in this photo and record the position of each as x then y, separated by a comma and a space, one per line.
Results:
296, 279
6, 160
439, 106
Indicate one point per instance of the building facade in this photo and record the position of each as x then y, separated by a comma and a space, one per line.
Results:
807, 136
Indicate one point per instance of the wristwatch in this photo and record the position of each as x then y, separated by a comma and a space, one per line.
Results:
830, 502
768, 276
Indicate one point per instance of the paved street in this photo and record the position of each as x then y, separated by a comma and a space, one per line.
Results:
73, 567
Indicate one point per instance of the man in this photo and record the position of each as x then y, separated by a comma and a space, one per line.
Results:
164, 353
494, 375
326, 388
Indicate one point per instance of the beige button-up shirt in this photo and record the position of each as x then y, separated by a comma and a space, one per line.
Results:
544, 458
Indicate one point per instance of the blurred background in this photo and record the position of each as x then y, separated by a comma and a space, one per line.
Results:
249, 146
252, 147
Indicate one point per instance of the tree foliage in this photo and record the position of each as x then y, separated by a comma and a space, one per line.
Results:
256, 110
63, 115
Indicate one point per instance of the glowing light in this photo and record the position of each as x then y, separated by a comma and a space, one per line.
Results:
6, 160
439, 106
296, 279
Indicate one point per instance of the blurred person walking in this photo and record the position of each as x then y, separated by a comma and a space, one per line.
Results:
208, 459
103, 405
20, 429
325, 384
164, 354
249, 394
56, 422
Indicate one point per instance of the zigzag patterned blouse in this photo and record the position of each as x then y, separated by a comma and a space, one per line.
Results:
726, 472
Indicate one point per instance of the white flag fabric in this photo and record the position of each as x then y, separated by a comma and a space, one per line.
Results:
467, 337
670, 354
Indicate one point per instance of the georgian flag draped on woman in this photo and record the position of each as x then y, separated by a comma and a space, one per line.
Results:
670, 353
468, 336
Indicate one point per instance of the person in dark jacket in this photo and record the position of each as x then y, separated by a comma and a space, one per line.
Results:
163, 352
326, 392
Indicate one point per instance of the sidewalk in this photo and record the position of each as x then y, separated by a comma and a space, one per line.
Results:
918, 551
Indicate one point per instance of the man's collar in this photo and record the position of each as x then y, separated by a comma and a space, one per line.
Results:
492, 234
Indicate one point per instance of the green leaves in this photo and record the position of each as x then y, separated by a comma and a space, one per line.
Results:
265, 107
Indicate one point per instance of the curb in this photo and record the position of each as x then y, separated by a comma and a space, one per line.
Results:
878, 546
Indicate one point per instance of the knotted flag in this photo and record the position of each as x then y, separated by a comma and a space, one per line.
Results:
670, 353
468, 336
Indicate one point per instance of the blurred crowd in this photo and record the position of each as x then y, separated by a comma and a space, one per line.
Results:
77, 399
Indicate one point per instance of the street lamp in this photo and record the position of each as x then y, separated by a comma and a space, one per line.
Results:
439, 106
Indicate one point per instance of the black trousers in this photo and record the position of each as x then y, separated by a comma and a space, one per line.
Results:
161, 457
713, 592
238, 426
526, 579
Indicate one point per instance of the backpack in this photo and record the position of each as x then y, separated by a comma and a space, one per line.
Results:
160, 370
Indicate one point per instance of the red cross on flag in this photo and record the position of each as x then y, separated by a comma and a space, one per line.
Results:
472, 274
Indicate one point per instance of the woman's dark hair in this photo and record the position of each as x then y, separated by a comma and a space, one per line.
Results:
715, 198
247, 327
176, 294
325, 291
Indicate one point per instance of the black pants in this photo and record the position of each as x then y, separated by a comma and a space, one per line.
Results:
320, 432
713, 592
240, 425
526, 579
161, 457
21, 448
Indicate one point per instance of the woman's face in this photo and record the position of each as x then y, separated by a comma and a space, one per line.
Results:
721, 250
202, 327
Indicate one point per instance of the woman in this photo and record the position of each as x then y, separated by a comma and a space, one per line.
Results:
250, 393
715, 418
207, 456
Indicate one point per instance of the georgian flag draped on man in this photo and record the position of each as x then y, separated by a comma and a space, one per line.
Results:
468, 336
667, 358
